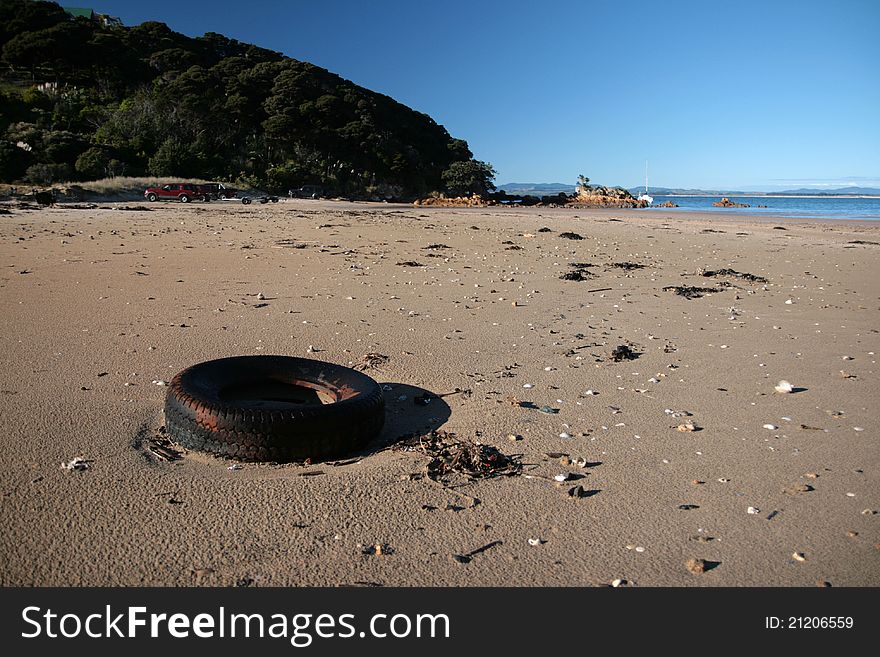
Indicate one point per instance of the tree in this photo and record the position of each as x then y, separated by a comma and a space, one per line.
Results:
469, 177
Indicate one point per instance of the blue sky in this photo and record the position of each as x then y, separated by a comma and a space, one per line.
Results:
757, 95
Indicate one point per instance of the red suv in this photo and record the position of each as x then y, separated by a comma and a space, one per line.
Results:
183, 192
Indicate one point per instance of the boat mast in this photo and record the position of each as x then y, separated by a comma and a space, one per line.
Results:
646, 177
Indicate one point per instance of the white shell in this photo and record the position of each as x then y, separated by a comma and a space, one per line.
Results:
799, 556
534, 541
784, 387
753, 510
772, 427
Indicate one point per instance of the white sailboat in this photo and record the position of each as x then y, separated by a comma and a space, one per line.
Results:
645, 196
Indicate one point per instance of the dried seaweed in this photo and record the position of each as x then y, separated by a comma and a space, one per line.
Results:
627, 265
371, 360
450, 457
571, 236
735, 274
623, 352
691, 292
577, 275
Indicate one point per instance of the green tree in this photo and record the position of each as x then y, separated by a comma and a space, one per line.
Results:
470, 177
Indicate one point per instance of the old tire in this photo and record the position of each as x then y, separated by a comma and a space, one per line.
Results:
268, 408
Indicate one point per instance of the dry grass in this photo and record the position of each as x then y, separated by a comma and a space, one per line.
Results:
123, 184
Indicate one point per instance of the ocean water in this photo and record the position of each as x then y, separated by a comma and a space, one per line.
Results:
778, 206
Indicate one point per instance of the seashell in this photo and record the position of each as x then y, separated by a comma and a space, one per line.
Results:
528, 385
784, 387
564, 436
753, 510
618, 582
772, 427
799, 556
535, 541
686, 427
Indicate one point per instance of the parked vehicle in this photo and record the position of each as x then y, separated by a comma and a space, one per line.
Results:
266, 198
218, 190
183, 192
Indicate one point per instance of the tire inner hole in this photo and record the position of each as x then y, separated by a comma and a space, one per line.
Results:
267, 392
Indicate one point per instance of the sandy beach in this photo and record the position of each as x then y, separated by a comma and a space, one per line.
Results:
100, 303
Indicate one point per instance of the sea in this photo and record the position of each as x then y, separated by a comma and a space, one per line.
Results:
834, 207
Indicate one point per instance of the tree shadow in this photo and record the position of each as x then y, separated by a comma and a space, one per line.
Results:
409, 410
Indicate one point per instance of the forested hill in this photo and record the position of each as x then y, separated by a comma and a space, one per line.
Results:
80, 99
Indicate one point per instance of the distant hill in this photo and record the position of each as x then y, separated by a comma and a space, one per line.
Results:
667, 191
851, 191
536, 189
82, 99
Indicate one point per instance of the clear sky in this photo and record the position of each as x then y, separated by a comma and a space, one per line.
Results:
754, 94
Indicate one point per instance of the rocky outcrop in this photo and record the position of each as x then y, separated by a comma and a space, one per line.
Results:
475, 201
589, 196
727, 203
667, 204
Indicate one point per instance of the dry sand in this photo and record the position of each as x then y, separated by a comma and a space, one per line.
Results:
99, 303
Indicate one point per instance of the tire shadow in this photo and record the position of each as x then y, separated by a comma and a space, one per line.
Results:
408, 410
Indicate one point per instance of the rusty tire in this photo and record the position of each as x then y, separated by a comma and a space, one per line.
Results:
241, 408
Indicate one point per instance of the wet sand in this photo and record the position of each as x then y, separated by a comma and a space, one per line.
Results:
97, 304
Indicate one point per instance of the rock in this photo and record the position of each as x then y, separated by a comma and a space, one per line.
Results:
727, 203
696, 566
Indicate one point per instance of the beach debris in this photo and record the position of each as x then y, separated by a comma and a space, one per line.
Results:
753, 510
450, 457
623, 352
771, 427
160, 382
549, 410
577, 275
261, 296
378, 549
536, 541
783, 387
162, 448
410, 263
799, 556
689, 291
616, 583
798, 489
687, 507
700, 566
686, 427
372, 360
673, 413
788, 302
512, 437
235, 466
467, 558
628, 266
76, 463
578, 492
544, 229
571, 236
567, 476
732, 273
